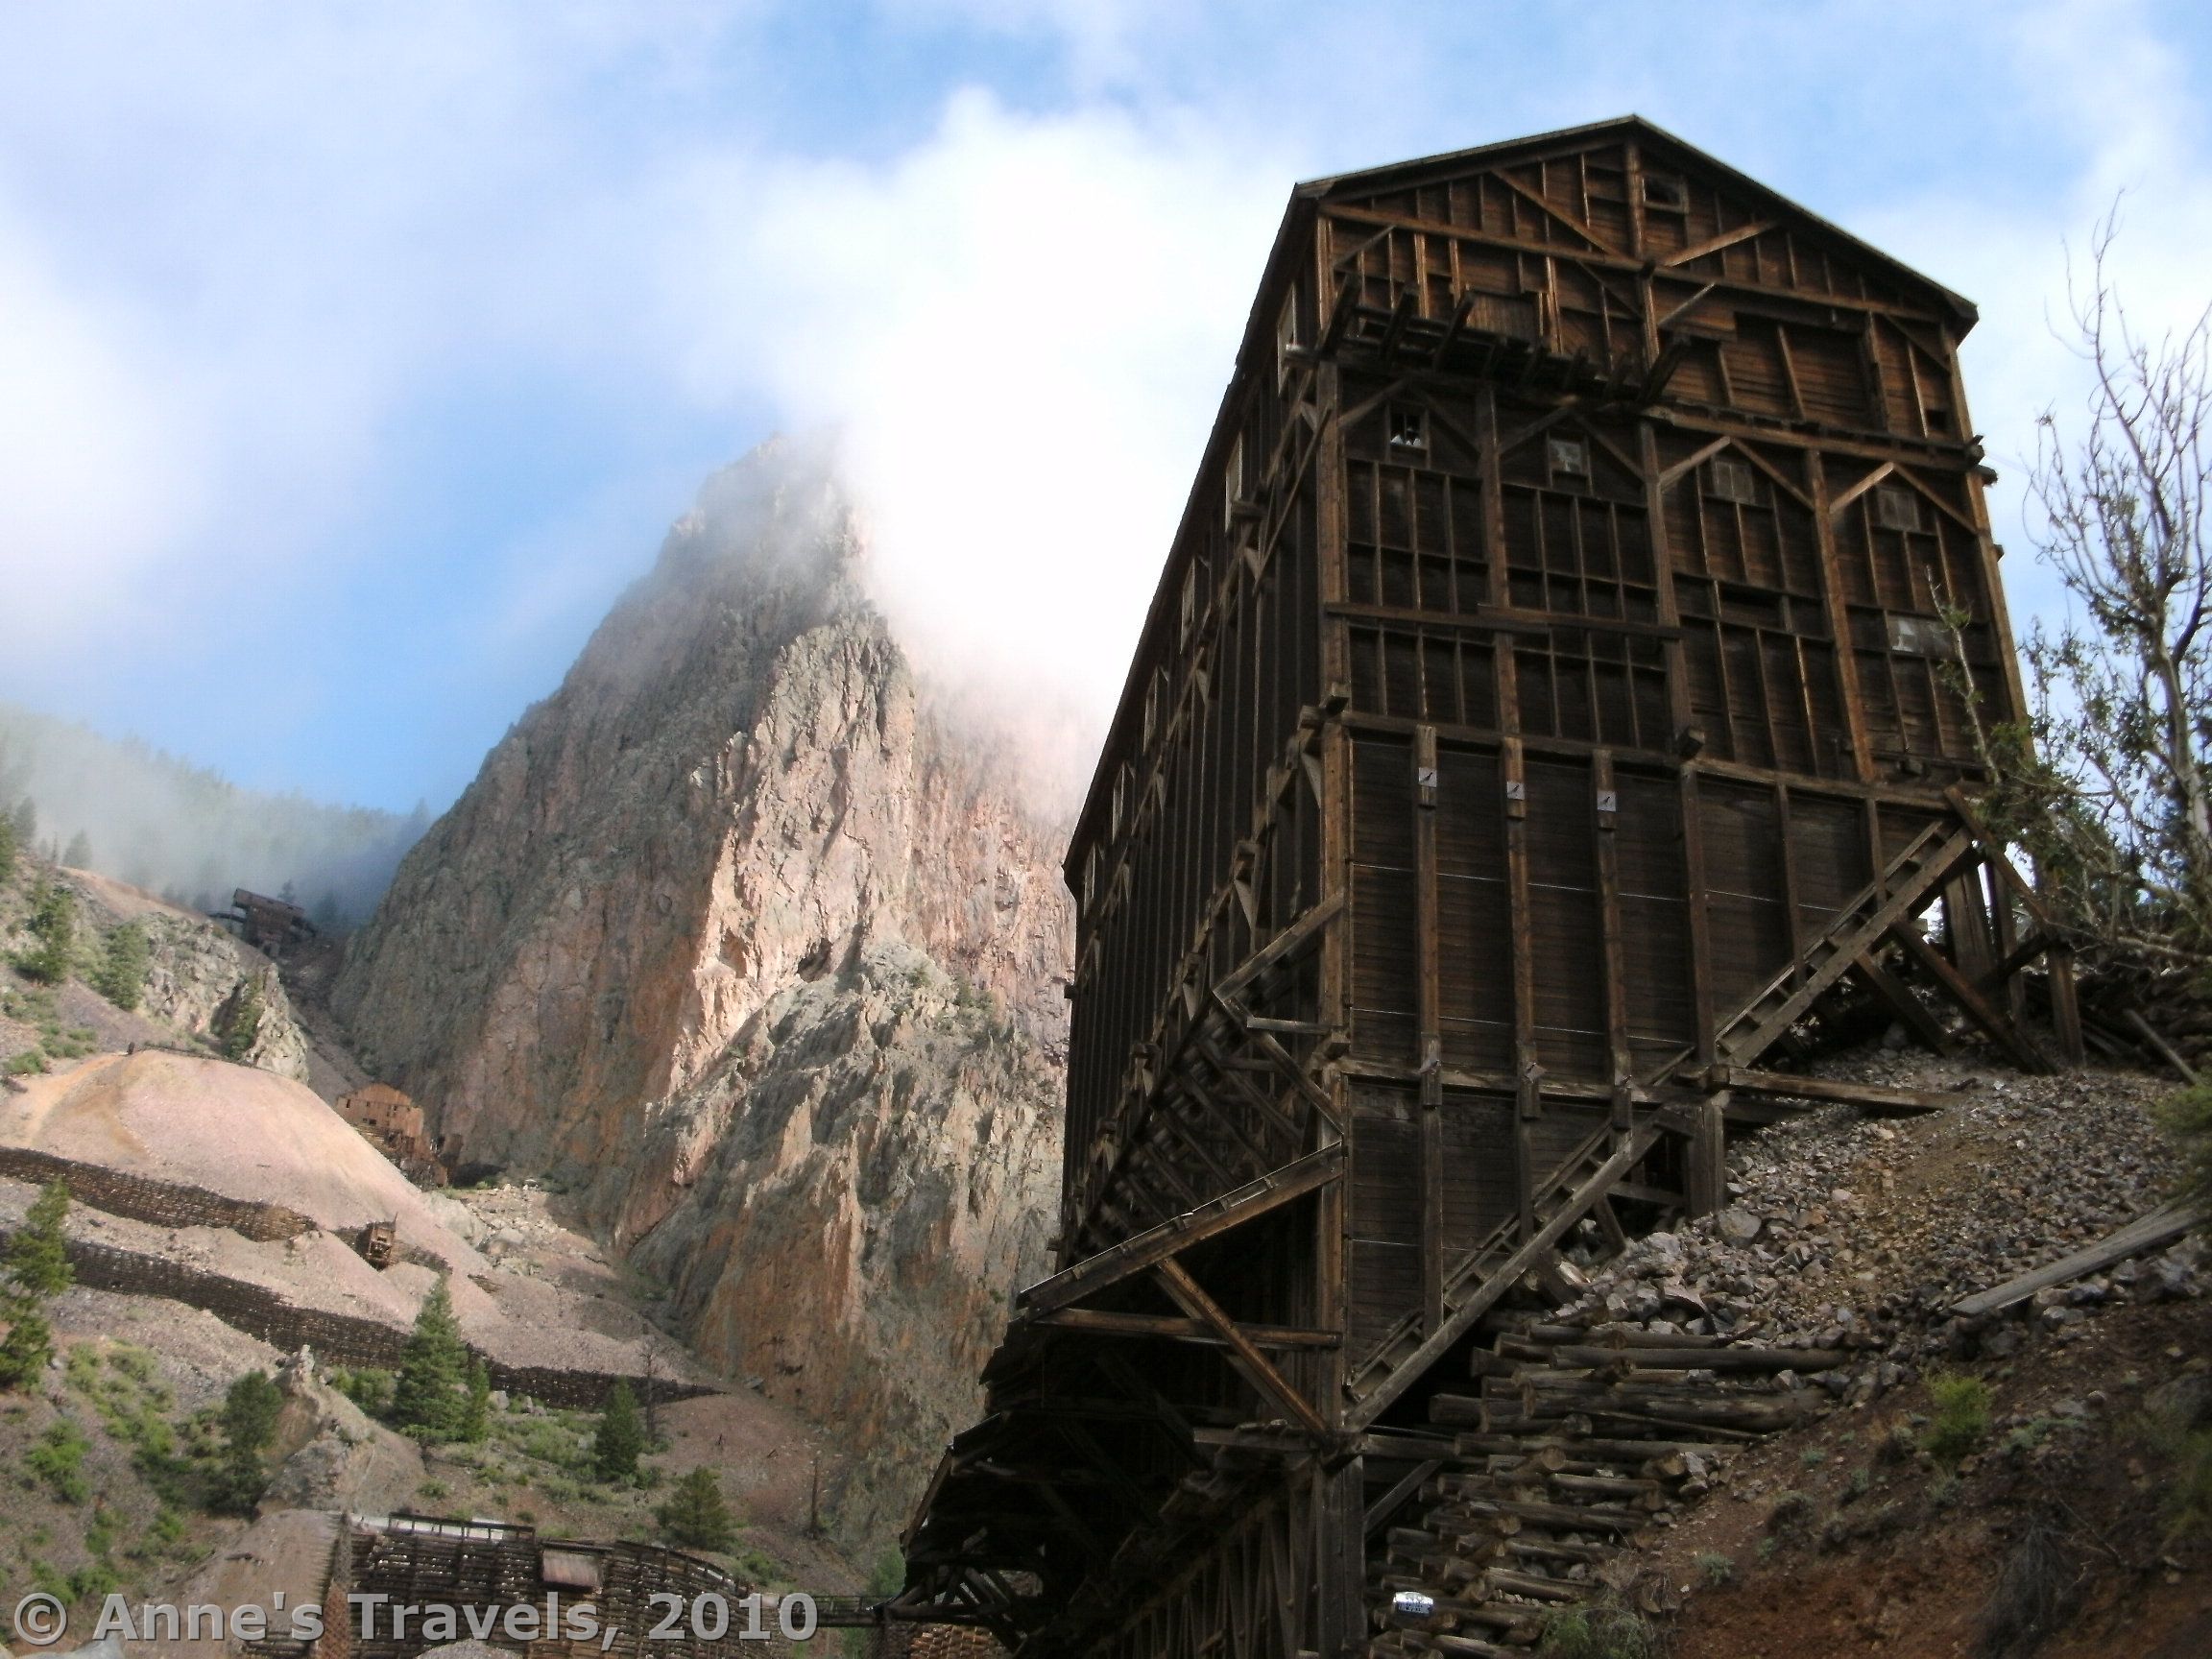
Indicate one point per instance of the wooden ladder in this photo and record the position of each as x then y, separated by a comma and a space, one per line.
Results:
1909, 881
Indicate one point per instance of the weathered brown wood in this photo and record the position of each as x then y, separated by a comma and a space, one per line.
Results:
1256, 1366
1873, 1097
2162, 1047
1908, 1008
1183, 1330
1994, 1025
2151, 1232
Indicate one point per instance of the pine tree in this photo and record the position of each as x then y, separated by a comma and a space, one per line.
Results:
620, 1438
695, 1517
476, 1415
53, 924
430, 1399
123, 960
239, 1024
78, 855
34, 1271
8, 848
249, 1422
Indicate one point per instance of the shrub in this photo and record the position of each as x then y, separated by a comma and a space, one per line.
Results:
1962, 1417
1598, 1631
1714, 1568
2034, 1594
366, 1387
57, 1459
2187, 1119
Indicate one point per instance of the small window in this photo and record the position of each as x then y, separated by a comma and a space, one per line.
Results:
1570, 456
1231, 483
1665, 190
1919, 636
1938, 420
1189, 616
1285, 337
1734, 481
1408, 427
1896, 508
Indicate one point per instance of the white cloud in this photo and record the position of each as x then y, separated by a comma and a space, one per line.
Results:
1023, 326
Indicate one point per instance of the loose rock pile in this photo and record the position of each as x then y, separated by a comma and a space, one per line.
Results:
1848, 1232
1830, 1276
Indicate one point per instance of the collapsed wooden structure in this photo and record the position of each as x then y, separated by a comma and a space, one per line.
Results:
272, 926
1559, 691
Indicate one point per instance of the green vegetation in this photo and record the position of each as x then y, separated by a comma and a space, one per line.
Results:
9, 847
125, 955
695, 1516
34, 1271
430, 1396
1716, 1569
1602, 1630
78, 854
53, 925
2187, 1119
56, 1461
249, 1422
239, 1025
1961, 1419
367, 1385
476, 1413
620, 1438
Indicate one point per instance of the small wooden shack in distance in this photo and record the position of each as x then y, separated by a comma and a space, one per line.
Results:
1559, 685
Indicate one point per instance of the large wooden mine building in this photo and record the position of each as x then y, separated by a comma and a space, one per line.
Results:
1559, 693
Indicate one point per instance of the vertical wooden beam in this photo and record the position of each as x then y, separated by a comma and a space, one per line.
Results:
1966, 923
2065, 1010
1832, 596
1332, 1212
2008, 931
1662, 574
1339, 1558
1701, 926
1514, 777
1428, 995
1504, 670
1606, 802
1707, 1182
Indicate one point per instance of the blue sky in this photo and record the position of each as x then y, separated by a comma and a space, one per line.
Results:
353, 357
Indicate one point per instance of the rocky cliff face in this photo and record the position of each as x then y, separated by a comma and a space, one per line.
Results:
736, 939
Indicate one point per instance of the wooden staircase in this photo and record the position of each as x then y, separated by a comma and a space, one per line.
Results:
1563, 1198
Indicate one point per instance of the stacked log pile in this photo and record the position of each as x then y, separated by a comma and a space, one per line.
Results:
1578, 1446
2157, 1014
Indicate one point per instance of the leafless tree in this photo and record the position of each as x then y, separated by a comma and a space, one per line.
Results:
2106, 785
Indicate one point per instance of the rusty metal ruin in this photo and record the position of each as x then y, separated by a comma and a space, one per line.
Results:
1559, 694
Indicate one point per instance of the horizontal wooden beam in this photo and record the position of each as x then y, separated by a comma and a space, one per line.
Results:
1882, 1102
1156, 1244
1111, 1324
2159, 1228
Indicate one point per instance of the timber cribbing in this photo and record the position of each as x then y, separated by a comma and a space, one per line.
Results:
159, 1203
345, 1338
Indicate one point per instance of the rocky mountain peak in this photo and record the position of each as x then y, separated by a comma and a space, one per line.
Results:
741, 939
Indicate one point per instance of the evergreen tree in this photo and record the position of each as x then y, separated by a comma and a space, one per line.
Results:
695, 1517
238, 1026
25, 818
79, 854
249, 1423
34, 1271
123, 958
620, 1438
476, 1414
53, 924
430, 1397
8, 848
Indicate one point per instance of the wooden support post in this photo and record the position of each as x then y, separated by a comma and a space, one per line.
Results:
1999, 1029
1700, 932
1428, 993
1708, 1173
1606, 804
2065, 1009
1966, 926
1340, 1559
1908, 1007
1528, 1070
1832, 599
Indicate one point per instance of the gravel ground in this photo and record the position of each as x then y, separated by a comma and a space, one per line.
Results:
1843, 1230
